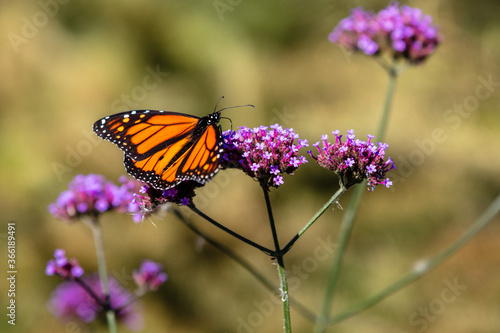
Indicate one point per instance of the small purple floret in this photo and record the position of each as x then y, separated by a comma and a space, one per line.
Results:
63, 267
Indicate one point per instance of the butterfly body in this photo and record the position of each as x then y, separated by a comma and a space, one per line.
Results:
164, 148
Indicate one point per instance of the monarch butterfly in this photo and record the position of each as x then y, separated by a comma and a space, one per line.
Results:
164, 148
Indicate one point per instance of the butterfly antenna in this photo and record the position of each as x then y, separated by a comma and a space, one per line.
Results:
217, 104
230, 107
236, 106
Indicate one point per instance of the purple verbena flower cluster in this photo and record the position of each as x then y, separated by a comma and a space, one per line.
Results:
356, 32
149, 276
150, 198
262, 153
69, 300
94, 194
403, 32
64, 267
355, 160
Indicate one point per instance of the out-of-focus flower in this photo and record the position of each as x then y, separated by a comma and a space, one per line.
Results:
62, 266
355, 160
402, 32
262, 153
149, 276
70, 300
94, 194
357, 32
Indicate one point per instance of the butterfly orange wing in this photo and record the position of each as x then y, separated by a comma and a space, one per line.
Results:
164, 148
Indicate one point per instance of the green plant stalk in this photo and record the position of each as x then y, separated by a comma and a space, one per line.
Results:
424, 266
285, 299
243, 262
350, 214
345, 233
229, 231
393, 74
103, 275
316, 216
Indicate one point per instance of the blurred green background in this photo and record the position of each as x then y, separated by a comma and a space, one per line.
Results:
66, 64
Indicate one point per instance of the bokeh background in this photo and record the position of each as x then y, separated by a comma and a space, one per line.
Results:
65, 64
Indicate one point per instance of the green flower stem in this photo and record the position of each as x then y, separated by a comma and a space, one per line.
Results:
393, 74
285, 299
345, 232
229, 231
103, 275
287, 324
244, 263
316, 216
424, 266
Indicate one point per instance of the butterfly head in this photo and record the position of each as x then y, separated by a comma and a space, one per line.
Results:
214, 117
